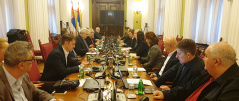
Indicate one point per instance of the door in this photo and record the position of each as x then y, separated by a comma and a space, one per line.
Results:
106, 5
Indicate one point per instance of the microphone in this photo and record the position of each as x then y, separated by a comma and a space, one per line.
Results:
100, 93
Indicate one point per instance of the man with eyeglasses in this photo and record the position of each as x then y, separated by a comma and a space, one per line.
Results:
14, 80
81, 45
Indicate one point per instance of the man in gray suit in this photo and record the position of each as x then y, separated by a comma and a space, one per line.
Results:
14, 80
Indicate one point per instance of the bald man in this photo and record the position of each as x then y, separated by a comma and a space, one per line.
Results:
219, 81
170, 58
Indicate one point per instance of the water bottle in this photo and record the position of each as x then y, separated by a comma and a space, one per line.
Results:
81, 72
140, 87
88, 58
135, 69
127, 53
130, 60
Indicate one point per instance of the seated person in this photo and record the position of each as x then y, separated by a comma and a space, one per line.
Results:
131, 41
90, 40
142, 47
126, 38
170, 59
189, 68
97, 33
81, 47
154, 58
219, 81
59, 62
3, 46
14, 80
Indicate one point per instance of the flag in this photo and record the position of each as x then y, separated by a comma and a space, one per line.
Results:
73, 23
78, 18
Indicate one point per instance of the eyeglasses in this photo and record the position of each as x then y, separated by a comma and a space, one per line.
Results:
31, 60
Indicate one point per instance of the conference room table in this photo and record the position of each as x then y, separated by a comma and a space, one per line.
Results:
81, 95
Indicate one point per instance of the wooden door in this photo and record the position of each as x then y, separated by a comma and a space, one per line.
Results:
98, 5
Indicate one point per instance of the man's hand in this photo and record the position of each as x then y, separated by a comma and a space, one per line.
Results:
154, 78
158, 95
86, 64
152, 75
164, 87
136, 57
39, 85
91, 46
91, 49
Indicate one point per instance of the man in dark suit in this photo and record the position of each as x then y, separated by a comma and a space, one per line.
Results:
14, 80
59, 62
81, 45
170, 59
97, 33
189, 68
131, 41
219, 81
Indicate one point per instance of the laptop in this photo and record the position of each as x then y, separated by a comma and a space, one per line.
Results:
126, 85
91, 83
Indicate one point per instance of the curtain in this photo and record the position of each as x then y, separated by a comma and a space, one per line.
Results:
230, 24
54, 16
202, 20
38, 22
159, 16
172, 19
19, 14
6, 17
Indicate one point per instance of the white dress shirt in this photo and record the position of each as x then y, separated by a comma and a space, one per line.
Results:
165, 62
66, 53
16, 86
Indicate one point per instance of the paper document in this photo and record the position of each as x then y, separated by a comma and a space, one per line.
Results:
132, 54
82, 82
139, 69
89, 53
126, 48
136, 81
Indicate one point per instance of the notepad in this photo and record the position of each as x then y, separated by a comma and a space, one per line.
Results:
82, 82
136, 81
139, 69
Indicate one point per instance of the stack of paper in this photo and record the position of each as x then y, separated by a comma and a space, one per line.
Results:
139, 69
136, 81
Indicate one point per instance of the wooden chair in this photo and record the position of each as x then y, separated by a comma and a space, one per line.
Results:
36, 52
179, 39
202, 54
34, 72
45, 49
160, 44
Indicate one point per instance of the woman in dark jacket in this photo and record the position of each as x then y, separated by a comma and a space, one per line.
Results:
154, 58
141, 49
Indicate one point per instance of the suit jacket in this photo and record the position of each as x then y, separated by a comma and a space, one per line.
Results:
224, 88
191, 70
171, 62
80, 47
133, 42
153, 60
97, 35
55, 66
127, 40
141, 49
31, 92
89, 41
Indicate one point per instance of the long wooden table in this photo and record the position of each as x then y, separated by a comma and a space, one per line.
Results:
80, 95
